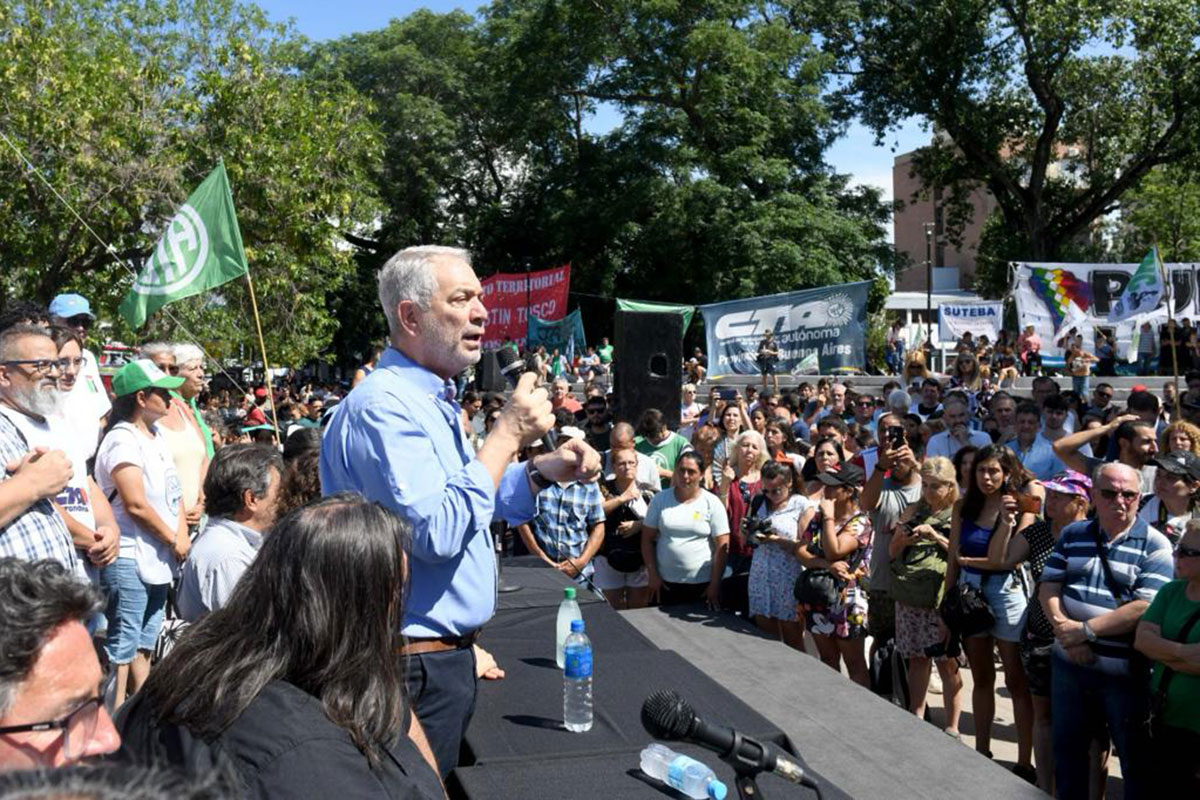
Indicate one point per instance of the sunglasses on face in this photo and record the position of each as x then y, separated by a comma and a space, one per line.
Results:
1186, 552
1104, 395
1127, 496
80, 321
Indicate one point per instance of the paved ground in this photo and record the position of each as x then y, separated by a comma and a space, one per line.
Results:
1004, 732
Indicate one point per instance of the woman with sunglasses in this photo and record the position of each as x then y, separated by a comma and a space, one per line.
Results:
921, 537
991, 507
775, 518
1175, 683
135, 470
296, 683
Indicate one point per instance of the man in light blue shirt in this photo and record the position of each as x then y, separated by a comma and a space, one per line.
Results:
397, 439
241, 493
1034, 451
958, 433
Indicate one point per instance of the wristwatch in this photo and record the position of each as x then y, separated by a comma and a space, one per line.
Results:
538, 480
1089, 633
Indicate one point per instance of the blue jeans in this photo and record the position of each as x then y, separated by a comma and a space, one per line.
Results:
1085, 702
1080, 384
135, 610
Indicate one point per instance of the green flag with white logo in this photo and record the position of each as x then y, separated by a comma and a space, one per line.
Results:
200, 249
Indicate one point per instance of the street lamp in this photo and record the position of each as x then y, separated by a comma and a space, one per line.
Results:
929, 226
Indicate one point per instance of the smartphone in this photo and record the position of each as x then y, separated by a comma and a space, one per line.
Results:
727, 393
895, 436
1027, 504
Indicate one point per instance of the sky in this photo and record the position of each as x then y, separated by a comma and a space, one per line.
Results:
854, 154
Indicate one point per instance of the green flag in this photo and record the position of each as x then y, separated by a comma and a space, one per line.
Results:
200, 249
645, 305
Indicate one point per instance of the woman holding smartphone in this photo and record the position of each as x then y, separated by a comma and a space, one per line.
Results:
991, 507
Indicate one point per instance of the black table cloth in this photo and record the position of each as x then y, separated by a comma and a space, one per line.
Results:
529, 633
541, 586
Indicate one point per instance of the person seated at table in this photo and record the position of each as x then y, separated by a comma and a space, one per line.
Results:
685, 539
295, 683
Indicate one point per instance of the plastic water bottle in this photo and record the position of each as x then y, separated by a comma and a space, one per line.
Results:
577, 680
568, 610
682, 772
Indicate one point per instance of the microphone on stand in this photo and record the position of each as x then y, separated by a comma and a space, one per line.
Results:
666, 715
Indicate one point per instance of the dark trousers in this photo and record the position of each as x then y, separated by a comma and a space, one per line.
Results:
441, 687
1087, 704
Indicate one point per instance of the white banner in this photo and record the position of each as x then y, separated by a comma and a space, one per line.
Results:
1056, 297
955, 319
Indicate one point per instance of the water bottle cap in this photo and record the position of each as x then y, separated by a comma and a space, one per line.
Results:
569, 593
576, 626
717, 790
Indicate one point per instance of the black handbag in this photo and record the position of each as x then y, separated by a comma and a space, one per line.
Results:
624, 553
817, 588
966, 611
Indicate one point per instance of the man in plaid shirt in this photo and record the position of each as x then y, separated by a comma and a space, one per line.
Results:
30, 527
569, 527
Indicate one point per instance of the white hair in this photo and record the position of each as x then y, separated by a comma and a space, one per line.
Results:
899, 399
187, 353
151, 349
408, 275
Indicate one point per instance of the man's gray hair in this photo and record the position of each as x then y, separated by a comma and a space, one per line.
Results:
1119, 467
899, 399
187, 353
152, 349
13, 334
408, 275
36, 597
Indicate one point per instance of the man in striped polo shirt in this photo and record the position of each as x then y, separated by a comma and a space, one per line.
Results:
1094, 611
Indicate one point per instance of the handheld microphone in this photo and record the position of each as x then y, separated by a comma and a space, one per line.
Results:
666, 715
512, 366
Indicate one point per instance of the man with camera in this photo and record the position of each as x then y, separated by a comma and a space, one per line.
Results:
895, 484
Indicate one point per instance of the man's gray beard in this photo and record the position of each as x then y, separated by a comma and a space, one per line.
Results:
37, 401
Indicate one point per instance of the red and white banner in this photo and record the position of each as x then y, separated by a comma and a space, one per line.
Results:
504, 295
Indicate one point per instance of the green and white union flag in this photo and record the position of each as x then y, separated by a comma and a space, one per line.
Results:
200, 249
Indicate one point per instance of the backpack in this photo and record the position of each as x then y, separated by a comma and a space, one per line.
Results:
919, 573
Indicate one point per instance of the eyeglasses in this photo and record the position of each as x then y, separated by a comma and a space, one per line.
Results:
71, 364
1127, 496
78, 727
1105, 395
596, 410
80, 321
40, 366
1186, 552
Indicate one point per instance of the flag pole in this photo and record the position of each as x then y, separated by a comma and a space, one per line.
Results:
266, 367
1171, 327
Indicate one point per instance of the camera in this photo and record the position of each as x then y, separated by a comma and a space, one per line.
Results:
755, 529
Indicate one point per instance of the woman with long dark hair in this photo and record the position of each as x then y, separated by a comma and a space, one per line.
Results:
991, 507
297, 681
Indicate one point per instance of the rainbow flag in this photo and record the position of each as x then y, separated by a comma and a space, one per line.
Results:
1060, 290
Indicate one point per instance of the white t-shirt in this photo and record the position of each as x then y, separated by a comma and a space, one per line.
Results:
685, 530
56, 434
86, 404
125, 444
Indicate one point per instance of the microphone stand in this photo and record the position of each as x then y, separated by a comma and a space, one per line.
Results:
746, 770
502, 586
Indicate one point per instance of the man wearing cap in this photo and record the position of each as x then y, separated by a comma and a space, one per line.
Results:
256, 416
30, 527
1176, 485
1097, 583
569, 526
87, 404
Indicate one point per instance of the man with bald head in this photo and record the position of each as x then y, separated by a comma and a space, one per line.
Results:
622, 438
398, 439
1097, 583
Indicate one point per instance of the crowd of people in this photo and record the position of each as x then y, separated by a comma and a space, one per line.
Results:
235, 572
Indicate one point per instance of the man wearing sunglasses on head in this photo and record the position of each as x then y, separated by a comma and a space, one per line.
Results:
1098, 581
51, 688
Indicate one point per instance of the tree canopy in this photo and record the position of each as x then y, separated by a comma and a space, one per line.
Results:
1059, 108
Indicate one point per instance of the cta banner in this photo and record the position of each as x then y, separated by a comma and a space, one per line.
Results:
955, 319
564, 335
828, 324
504, 295
1053, 298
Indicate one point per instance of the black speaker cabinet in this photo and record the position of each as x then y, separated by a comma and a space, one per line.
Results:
648, 365
487, 374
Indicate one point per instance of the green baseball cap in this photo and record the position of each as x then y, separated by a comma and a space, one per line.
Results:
142, 374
